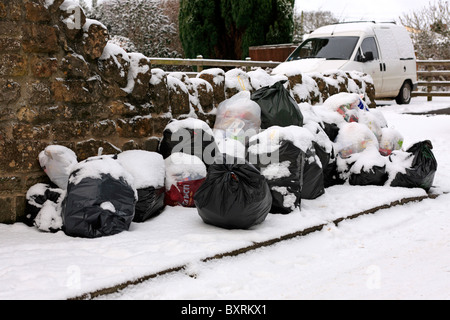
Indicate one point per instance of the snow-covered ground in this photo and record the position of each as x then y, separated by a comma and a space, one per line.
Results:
397, 253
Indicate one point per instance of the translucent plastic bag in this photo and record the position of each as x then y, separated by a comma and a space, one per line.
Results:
238, 117
57, 162
390, 141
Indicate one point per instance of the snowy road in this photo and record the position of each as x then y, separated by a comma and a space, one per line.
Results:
398, 253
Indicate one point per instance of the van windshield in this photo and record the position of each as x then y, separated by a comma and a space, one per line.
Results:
330, 48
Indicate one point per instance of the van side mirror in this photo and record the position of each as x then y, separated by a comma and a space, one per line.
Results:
368, 56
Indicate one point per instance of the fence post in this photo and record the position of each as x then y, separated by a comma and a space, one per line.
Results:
429, 87
248, 68
199, 68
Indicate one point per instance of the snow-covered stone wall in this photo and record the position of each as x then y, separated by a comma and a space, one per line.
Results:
62, 82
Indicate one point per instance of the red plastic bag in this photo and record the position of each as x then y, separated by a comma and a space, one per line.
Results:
183, 193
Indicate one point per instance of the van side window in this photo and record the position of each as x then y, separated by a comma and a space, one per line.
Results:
368, 45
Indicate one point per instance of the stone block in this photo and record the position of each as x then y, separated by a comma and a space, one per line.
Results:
22, 131
3, 12
152, 144
51, 113
11, 29
77, 91
95, 38
13, 65
39, 38
27, 114
20, 155
9, 91
158, 92
104, 129
10, 183
68, 130
10, 45
215, 77
178, 97
40, 93
137, 127
35, 11
75, 67
140, 69
43, 67
8, 212
90, 148
114, 65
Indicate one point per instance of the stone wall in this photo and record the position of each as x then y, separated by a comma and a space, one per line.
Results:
62, 82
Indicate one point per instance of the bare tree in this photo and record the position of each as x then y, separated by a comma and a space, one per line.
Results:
307, 21
429, 28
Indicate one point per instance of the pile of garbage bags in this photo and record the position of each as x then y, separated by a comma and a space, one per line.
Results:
264, 154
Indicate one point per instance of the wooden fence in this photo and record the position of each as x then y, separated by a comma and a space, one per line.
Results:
200, 63
427, 78
430, 77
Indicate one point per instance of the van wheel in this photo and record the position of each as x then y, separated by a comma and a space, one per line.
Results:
404, 96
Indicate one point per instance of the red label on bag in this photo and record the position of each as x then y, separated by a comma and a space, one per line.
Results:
183, 193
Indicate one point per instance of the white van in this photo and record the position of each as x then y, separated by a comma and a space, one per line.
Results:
382, 50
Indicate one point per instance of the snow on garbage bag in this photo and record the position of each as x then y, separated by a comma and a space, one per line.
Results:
278, 108
421, 172
43, 207
233, 196
354, 138
279, 153
390, 140
364, 168
190, 136
348, 105
232, 148
238, 118
57, 162
184, 175
359, 160
148, 171
100, 199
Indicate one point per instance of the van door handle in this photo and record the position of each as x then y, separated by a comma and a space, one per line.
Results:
381, 67
384, 65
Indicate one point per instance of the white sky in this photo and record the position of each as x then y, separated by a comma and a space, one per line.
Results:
349, 10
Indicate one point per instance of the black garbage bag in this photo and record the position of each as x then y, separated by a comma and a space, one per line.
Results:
331, 129
331, 176
423, 168
191, 136
278, 108
36, 196
148, 171
150, 203
313, 179
375, 176
283, 176
233, 196
100, 200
